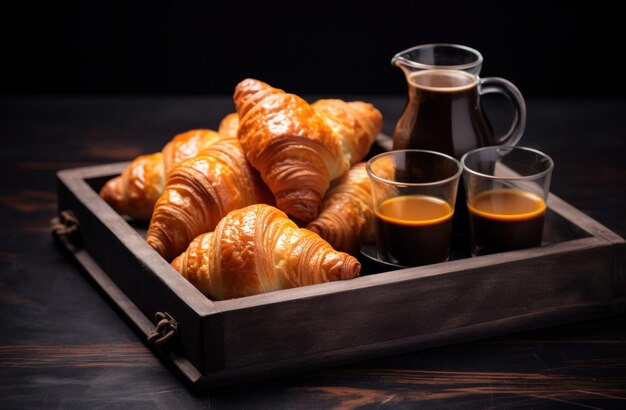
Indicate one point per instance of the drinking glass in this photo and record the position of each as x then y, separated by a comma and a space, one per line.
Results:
414, 192
507, 190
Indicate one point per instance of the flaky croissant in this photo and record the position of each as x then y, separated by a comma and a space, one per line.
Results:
347, 218
229, 125
137, 189
199, 192
188, 145
258, 249
357, 124
298, 148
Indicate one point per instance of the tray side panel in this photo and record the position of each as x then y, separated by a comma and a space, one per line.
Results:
130, 268
127, 309
581, 220
579, 275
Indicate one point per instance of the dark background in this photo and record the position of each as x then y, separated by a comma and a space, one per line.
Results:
322, 47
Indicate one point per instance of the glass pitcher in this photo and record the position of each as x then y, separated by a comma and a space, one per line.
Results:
443, 112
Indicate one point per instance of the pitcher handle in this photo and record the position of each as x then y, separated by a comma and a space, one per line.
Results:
511, 92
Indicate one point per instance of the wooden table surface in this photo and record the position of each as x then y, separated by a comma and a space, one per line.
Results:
62, 345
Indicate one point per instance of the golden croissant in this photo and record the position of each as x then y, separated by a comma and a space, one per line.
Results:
258, 249
347, 218
300, 148
137, 189
229, 125
199, 192
357, 124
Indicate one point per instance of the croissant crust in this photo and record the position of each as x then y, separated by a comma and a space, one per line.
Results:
347, 218
258, 249
300, 148
137, 189
199, 192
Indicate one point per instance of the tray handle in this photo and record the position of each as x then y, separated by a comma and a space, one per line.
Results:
164, 331
65, 226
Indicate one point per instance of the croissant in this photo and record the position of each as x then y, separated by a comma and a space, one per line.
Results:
347, 218
188, 145
229, 125
298, 148
137, 189
357, 123
199, 192
258, 249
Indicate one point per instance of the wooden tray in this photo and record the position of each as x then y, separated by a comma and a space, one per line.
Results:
578, 274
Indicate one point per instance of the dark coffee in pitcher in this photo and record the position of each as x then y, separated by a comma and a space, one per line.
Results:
442, 114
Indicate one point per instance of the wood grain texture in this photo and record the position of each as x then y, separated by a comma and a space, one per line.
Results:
47, 302
529, 371
104, 355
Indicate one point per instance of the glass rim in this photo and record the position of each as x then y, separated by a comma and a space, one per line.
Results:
415, 64
530, 177
370, 172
